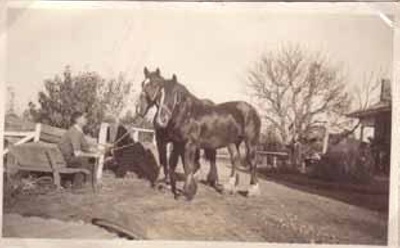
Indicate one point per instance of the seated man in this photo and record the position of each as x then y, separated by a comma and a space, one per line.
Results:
75, 148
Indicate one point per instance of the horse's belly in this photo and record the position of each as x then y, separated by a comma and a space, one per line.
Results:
217, 138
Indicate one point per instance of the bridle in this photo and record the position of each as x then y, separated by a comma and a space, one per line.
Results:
162, 106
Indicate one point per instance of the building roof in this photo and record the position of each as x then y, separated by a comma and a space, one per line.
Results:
384, 104
380, 107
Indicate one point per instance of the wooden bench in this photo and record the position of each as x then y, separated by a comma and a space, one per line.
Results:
40, 157
43, 155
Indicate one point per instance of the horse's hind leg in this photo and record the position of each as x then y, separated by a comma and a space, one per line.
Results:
212, 177
251, 160
230, 187
197, 161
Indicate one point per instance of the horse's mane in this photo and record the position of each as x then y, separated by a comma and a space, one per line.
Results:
182, 89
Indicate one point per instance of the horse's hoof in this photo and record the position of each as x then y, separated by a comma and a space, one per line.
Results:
230, 187
226, 189
163, 187
212, 181
218, 187
190, 190
254, 190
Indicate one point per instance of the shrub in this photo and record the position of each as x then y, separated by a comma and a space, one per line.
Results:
347, 161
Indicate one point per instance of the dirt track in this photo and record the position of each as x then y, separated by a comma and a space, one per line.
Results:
280, 214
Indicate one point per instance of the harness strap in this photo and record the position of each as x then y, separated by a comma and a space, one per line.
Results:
122, 147
153, 99
120, 138
162, 105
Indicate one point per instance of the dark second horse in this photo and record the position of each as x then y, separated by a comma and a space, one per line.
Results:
131, 155
193, 125
149, 97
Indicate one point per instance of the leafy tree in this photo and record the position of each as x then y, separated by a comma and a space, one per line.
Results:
86, 91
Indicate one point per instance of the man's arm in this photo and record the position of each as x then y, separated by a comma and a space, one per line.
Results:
81, 147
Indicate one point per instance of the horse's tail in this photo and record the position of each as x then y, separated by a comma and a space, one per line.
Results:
251, 122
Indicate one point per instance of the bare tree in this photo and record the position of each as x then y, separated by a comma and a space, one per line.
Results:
297, 90
365, 93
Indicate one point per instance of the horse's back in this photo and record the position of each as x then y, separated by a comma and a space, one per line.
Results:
248, 117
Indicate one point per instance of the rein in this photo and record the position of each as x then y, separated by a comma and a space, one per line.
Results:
122, 147
119, 139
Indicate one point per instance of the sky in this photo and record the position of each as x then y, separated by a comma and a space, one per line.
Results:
210, 50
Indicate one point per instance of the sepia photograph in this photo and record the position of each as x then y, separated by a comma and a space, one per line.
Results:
235, 122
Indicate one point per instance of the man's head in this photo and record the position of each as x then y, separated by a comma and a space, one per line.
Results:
79, 118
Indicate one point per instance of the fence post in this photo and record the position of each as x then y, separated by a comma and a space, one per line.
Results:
154, 139
135, 134
101, 142
38, 128
274, 161
326, 139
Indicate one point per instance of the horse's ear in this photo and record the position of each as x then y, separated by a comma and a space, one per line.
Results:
146, 71
174, 78
158, 71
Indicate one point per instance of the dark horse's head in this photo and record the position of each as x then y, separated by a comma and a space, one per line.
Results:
151, 89
172, 94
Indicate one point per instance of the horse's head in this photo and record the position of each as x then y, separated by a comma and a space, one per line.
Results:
151, 89
171, 95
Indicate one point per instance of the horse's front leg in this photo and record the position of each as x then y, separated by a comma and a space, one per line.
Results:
162, 154
197, 161
177, 150
230, 187
190, 187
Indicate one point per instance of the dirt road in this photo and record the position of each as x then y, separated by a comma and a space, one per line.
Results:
280, 214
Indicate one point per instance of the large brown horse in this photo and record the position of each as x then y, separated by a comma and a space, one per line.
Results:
193, 125
149, 97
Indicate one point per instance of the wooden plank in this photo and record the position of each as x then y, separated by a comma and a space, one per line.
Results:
137, 129
20, 142
55, 131
283, 154
45, 137
50, 134
17, 134
62, 171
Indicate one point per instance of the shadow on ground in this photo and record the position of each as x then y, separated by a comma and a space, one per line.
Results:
373, 196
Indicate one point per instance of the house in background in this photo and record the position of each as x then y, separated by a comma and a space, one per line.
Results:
379, 117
